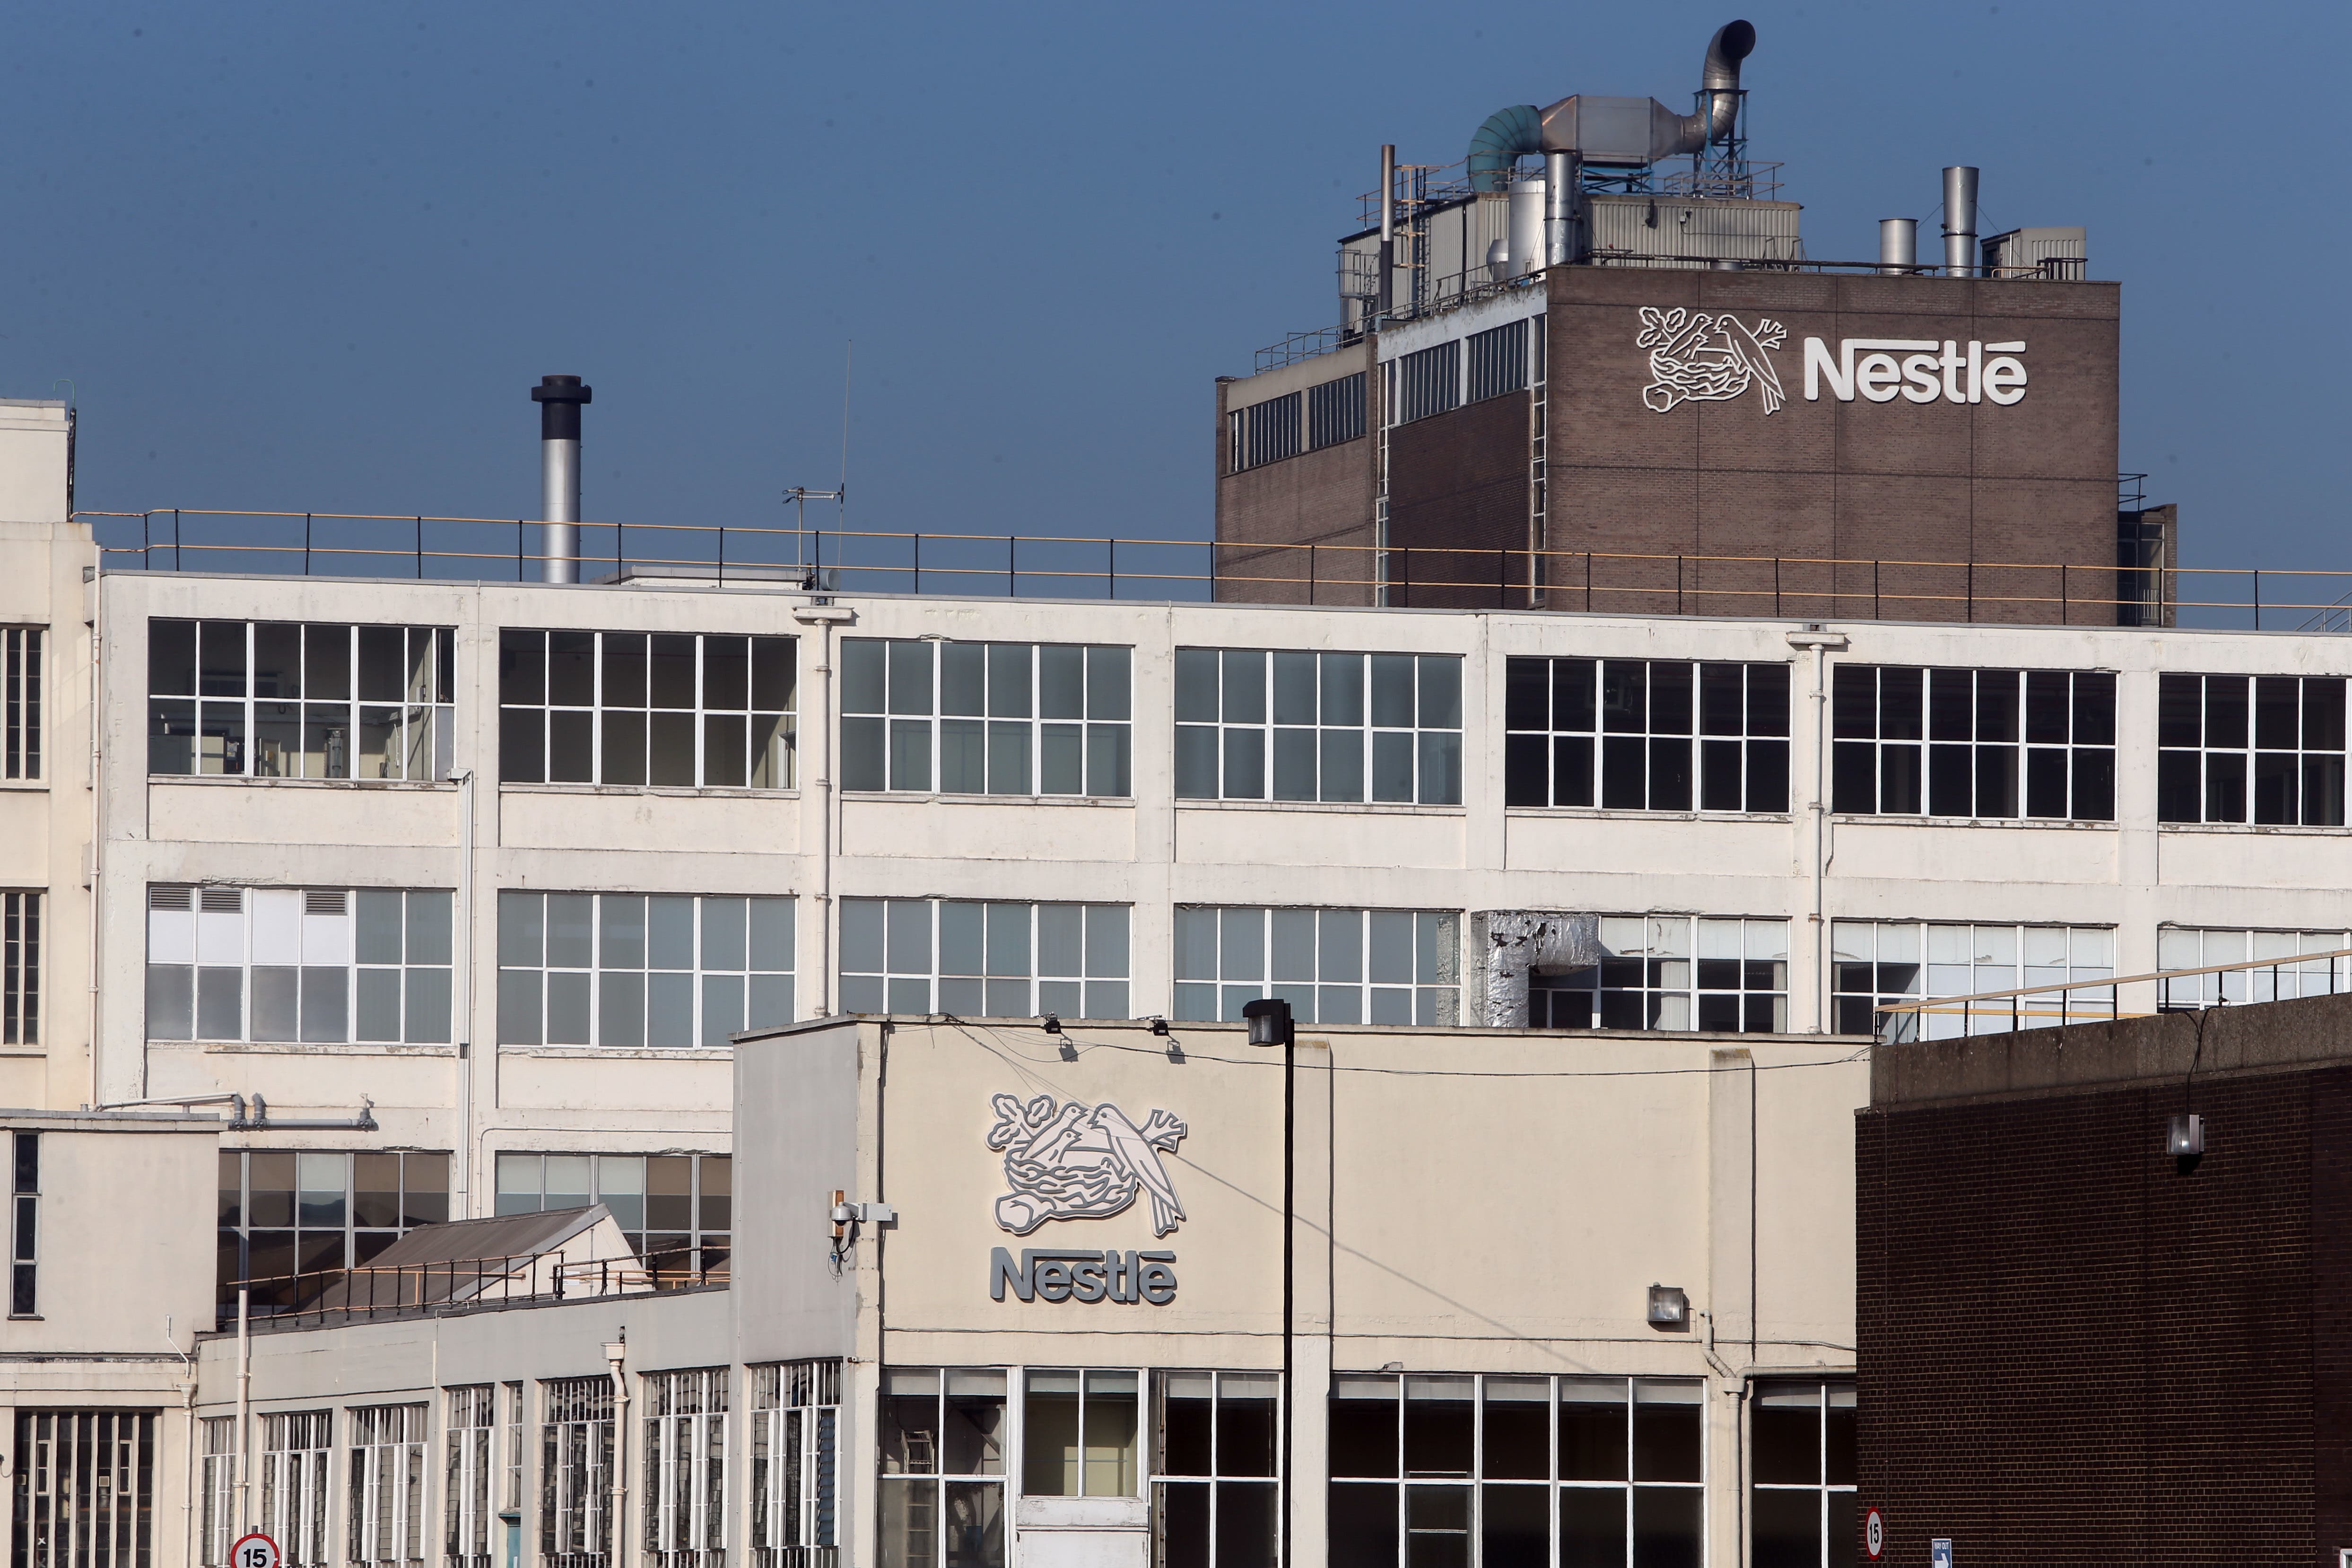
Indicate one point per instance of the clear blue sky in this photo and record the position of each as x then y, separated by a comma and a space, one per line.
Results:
313, 256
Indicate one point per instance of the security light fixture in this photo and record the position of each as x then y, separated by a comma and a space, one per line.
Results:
1051, 1025
1160, 1026
2185, 1138
1269, 1021
1669, 1307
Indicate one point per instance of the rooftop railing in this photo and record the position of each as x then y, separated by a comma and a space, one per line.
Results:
2282, 978
338, 1295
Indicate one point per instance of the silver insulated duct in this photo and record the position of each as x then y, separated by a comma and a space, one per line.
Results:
560, 399
1898, 245
1959, 222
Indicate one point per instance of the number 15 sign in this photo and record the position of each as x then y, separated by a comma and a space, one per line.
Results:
254, 1551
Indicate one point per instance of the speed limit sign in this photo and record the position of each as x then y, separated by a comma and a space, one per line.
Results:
1873, 1537
258, 1550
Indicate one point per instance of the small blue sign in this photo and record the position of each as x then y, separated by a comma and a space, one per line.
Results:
1940, 1552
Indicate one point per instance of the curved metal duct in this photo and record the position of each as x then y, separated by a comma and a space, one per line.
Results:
1507, 135
1719, 80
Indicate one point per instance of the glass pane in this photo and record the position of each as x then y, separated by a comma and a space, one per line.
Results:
1518, 1430
1110, 1432
1593, 1430
1515, 1526
1437, 1527
1185, 1411
1245, 1524
1786, 1430
975, 1424
1788, 1529
1438, 1436
1666, 1430
1593, 1527
1666, 1529
1363, 1526
1049, 1440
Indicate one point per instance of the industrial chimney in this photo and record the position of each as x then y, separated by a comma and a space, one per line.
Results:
560, 398
1959, 222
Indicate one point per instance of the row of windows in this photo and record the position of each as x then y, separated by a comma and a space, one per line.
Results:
283, 1213
1485, 364
686, 709
1308, 421
668, 971
486, 1467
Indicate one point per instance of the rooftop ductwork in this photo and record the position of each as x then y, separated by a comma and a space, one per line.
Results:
1625, 132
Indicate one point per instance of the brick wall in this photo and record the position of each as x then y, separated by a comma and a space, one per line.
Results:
2070, 1351
1458, 506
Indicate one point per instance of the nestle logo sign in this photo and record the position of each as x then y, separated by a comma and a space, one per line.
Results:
1928, 369
1106, 1275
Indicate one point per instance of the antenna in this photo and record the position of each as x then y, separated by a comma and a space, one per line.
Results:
848, 362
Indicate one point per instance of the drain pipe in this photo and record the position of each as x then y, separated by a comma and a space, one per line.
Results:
1386, 295
244, 1409
615, 1354
560, 400
1821, 643
462, 934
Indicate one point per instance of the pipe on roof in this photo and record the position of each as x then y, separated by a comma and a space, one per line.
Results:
1719, 80
1507, 135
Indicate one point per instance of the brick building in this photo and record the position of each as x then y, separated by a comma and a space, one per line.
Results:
2075, 1346
1597, 380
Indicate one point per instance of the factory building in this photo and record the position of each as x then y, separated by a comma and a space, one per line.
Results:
1595, 366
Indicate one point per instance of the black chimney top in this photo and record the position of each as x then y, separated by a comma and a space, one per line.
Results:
559, 398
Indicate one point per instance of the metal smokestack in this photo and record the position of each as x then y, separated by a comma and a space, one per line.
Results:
1959, 222
1381, 299
560, 398
1898, 245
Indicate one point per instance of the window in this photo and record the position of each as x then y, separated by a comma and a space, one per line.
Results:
20, 697
20, 968
668, 709
942, 1482
1498, 361
1457, 1469
575, 1473
1216, 1492
1255, 725
1974, 742
1422, 384
321, 966
676, 1208
25, 1225
1801, 1437
387, 1481
1265, 432
1673, 972
511, 1501
468, 1474
1335, 412
1636, 734
2291, 974
626, 970
294, 1452
685, 1508
999, 718
796, 1464
284, 1213
218, 1482
1078, 1433
2236, 748
1873, 962
1333, 967
274, 700
85, 1489
983, 961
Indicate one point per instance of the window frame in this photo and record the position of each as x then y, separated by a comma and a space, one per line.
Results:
709, 1246
1434, 935
578, 1427
265, 915
1847, 1000
978, 1482
21, 911
795, 1478
1653, 995
1478, 1486
387, 1444
24, 1223
21, 728
416, 1206
2201, 770
685, 1507
1920, 764
527, 987
527, 744
1824, 1490
1158, 1479
297, 1456
894, 710
2292, 975
1215, 754
891, 985
431, 716
1581, 766
469, 1474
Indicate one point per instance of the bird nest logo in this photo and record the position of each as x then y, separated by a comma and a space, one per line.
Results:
1708, 358
1067, 1161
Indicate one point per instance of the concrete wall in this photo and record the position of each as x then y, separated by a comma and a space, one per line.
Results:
798, 1140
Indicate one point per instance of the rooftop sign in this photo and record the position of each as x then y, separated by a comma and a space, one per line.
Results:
1715, 357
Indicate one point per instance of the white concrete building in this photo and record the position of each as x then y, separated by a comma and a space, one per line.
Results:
450, 897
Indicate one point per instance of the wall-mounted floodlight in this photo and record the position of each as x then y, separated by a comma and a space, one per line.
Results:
2185, 1138
1669, 1307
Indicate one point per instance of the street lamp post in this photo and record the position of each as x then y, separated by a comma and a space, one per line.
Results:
1270, 1024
